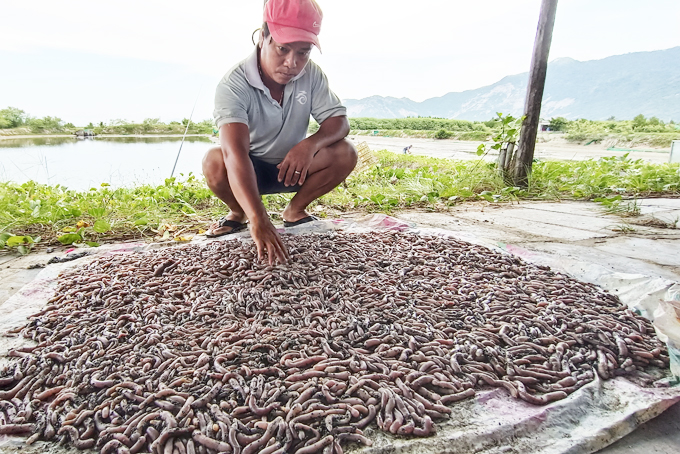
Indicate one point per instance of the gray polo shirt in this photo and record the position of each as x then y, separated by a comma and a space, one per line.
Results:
241, 97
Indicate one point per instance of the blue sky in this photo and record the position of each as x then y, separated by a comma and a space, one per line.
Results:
99, 61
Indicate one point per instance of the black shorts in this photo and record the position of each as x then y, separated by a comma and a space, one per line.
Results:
268, 178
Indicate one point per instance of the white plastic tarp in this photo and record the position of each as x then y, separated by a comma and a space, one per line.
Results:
492, 422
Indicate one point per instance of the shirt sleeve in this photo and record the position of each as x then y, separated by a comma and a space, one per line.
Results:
231, 102
325, 103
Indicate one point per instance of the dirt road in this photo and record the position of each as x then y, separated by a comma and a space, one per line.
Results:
554, 149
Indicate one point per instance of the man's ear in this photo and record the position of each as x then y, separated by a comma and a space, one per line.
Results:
260, 40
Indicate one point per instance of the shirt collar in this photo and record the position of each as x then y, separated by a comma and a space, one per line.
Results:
253, 74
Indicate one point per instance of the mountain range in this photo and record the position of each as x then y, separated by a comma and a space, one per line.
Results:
621, 86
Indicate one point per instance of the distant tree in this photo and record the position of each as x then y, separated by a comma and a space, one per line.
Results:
612, 118
89, 125
492, 123
150, 125
40, 125
654, 121
558, 124
442, 134
101, 124
69, 125
639, 122
12, 117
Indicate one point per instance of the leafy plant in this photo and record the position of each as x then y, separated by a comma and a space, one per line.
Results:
77, 238
396, 182
23, 243
558, 124
443, 134
616, 205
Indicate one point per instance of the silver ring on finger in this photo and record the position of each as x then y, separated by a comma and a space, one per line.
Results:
298, 172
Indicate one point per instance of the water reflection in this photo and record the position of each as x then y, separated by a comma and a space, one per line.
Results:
33, 141
84, 163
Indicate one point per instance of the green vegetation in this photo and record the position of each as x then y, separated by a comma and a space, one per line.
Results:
179, 208
417, 124
153, 126
639, 132
422, 127
443, 134
16, 121
13, 118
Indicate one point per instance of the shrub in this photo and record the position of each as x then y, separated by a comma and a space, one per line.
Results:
443, 134
12, 117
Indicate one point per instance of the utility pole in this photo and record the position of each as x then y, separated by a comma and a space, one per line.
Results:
532, 105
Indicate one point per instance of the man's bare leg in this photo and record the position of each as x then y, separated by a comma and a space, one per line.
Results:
216, 176
330, 167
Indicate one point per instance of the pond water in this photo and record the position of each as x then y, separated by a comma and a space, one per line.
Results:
82, 164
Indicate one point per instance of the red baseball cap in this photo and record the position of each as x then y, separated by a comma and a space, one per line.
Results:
290, 21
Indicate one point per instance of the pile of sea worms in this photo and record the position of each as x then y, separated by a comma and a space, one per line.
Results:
204, 349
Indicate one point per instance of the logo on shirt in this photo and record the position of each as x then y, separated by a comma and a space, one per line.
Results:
301, 97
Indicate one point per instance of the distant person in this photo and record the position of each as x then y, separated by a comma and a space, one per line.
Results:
407, 150
262, 109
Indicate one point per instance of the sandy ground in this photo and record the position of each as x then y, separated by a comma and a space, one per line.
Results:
555, 148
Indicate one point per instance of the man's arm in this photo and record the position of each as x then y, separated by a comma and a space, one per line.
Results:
235, 143
299, 158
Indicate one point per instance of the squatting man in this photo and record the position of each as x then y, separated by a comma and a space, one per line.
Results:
262, 110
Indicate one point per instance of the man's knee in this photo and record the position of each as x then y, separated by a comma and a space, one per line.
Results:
346, 153
213, 164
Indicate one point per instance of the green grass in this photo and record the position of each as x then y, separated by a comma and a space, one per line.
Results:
417, 124
630, 140
397, 182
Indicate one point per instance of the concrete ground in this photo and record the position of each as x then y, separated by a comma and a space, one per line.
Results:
648, 244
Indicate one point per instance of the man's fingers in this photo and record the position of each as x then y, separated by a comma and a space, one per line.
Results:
260, 254
291, 176
283, 169
303, 176
277, 254
282, 251
278, 250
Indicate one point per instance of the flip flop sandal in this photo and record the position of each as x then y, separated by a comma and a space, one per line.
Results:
224, 222
300, 221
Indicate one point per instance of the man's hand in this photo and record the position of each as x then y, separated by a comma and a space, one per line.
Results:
293, 169
268, 241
